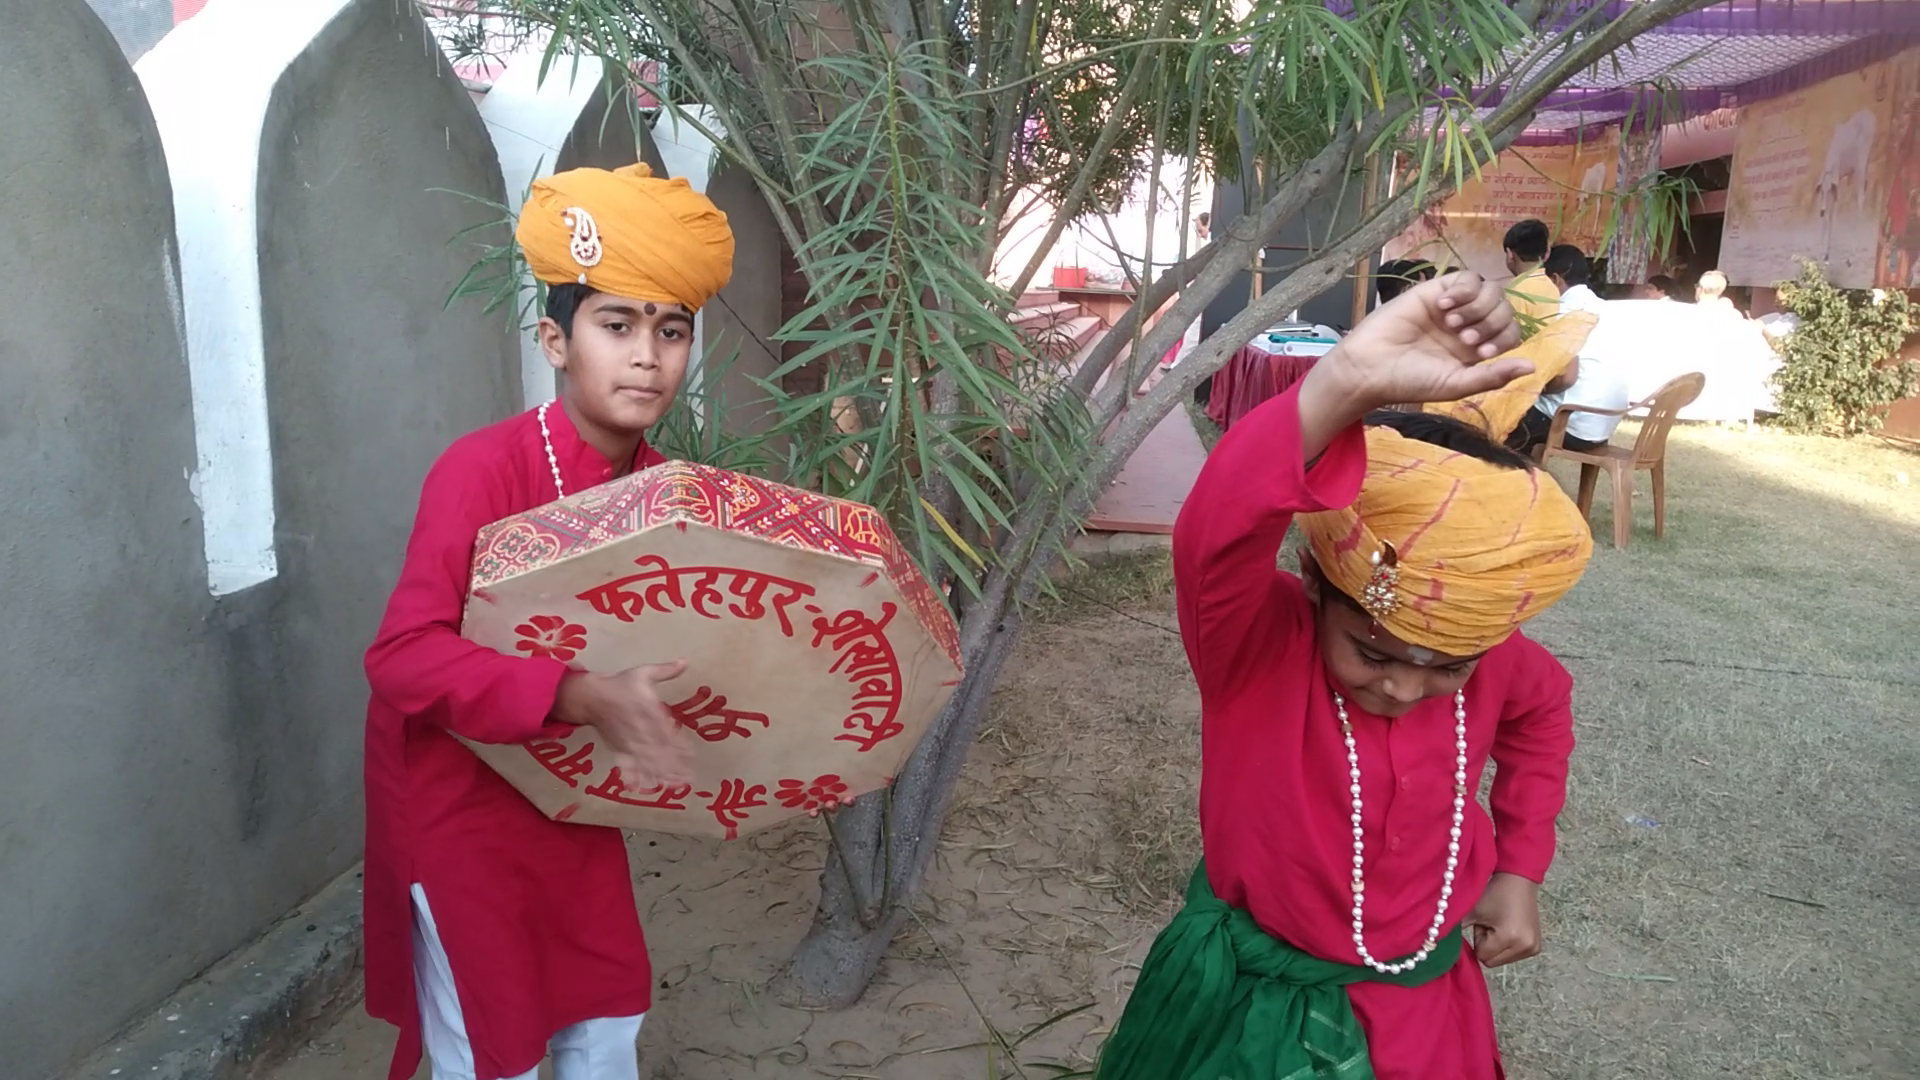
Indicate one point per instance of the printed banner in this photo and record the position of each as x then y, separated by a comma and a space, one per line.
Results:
1826, 174
1568, 187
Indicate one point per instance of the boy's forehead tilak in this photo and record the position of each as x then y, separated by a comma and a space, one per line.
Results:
634, 309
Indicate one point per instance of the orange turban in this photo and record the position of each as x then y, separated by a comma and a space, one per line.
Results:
628, 233
1478, 548
1495, 413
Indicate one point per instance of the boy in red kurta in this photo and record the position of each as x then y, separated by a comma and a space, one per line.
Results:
1349, 713
492, 933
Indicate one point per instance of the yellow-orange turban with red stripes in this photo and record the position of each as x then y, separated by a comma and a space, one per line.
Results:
1495, 413
1478, 548
629, 233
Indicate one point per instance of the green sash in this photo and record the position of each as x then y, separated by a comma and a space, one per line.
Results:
1221, 999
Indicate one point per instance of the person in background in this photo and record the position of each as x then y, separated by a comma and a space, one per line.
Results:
1658, 287
1589, 380
1398, 275
1203, 227
1533, 297
1711, 293
1570, 271
1390, 281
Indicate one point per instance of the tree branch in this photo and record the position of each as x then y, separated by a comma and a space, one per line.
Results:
1007, 114
1222, 259
1109, 135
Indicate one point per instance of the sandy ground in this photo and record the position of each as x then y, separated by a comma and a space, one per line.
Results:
1736, 895
1024, 918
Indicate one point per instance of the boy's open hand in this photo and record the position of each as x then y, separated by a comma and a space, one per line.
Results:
1423, 346
1505, 924
633, 721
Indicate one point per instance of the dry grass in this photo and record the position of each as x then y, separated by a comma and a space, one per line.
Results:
1748, 685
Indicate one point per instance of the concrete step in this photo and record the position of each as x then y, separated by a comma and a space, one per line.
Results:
1042, 316
1039, 297
1069, 337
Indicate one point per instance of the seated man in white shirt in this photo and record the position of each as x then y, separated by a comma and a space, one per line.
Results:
1587, 381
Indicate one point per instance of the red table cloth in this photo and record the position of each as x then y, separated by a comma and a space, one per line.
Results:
1249, 378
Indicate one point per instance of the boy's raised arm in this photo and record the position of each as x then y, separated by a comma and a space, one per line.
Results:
419, 664
1305, 451
1226, 542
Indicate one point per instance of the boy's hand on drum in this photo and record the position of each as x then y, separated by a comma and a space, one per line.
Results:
633, 721
1505, 924
1425, 345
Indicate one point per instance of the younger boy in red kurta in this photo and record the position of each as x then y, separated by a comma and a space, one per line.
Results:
494, 934
1349, 713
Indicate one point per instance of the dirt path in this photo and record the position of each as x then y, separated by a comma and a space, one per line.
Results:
1025, 912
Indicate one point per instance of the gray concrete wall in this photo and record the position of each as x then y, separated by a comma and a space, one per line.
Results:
369, 376
135, 24
120, 779
608, 135
180, 772
742, 320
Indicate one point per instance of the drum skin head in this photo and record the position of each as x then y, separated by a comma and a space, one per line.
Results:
817, 654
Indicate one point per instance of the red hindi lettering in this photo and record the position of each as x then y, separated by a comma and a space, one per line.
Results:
660, 797
873, 727
705, 592
735, 798
882, 688
851, 625
614, 599
706, 705
553, 756
866, 659
663, 584
751, 588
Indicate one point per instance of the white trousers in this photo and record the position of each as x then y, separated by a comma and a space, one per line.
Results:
1189, 341
590, 1050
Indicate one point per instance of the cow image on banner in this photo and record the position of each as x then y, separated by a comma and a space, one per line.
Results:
817, 654
1823, 174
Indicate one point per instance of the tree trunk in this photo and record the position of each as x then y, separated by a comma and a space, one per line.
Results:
841, 952
882, 846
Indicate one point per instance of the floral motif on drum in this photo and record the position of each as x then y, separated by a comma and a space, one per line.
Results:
550, 635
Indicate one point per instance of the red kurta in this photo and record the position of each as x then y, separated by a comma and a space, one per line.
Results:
1274, 804
538, 918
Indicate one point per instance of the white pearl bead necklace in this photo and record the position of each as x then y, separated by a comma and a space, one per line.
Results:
1360, 848
553, 460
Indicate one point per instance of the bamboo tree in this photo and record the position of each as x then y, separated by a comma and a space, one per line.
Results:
894, 140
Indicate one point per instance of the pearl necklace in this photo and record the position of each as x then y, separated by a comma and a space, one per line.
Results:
553, 460
1359, 843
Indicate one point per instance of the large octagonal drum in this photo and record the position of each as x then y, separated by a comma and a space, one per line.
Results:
817, 654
